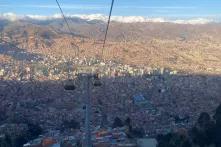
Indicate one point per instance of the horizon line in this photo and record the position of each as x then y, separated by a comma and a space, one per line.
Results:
124, 19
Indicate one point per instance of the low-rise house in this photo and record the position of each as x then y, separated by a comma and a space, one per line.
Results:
139, 99
147, 142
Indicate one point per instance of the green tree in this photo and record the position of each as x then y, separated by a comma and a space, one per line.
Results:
5, 141
117, 123
173, 140
217, 116
72, 124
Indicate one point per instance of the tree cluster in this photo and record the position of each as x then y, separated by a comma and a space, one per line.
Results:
132, 132
11, 140
205, 133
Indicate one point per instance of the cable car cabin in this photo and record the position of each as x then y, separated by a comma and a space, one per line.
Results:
97, 82
69, 85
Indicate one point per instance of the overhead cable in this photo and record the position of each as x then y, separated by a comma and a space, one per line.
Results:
108, 24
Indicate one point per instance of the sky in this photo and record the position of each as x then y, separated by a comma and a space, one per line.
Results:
147, 8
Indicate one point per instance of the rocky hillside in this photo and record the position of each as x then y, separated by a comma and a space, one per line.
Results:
183, 47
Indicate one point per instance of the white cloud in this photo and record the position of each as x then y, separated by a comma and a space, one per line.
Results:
91, 17
41, 17
123, 19
9, 16
194, 21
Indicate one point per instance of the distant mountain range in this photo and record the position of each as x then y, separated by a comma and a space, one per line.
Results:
101, 17
187, 47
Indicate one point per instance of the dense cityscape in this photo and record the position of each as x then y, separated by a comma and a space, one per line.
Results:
34, 92
118, 81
